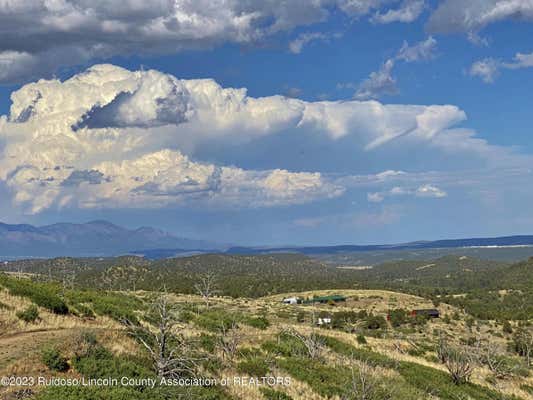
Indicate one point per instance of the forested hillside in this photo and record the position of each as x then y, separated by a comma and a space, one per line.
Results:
485, 288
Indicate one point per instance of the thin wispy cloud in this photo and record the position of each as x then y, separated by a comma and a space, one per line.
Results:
426, 191
470, 17
304, 39
382, 82
489, 69
408, 11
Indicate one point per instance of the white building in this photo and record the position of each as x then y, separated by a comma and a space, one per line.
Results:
291, 300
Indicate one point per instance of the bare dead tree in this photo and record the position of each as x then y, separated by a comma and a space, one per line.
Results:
313, 343
69, 279
523, 343
460, 365
229, 340
442, 348
459, 362
362, 384
206, 287
492, 356
133, 280
170, 353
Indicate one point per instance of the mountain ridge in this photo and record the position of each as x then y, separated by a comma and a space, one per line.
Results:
502, 241
94, 238
103, 238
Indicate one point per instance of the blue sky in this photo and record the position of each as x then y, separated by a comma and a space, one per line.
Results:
459, 164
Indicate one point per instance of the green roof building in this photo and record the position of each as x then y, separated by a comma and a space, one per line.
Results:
336, 298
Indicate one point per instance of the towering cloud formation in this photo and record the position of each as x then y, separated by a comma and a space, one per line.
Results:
109, 137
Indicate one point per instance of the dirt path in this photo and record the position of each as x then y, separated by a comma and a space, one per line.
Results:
15, 346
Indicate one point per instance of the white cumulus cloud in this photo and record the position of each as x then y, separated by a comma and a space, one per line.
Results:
109, 137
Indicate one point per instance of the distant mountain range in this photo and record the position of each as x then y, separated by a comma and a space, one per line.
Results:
102, 238
504, 241
95, 238
482, 243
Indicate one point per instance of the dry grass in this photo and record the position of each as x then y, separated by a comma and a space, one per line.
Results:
20, 339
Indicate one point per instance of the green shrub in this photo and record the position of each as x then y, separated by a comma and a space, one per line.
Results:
507, 328
325, 380
98, 362
398, 317
300, 317
250, 352
42, 294
82, 310
115, 308
255, 366
416, 351
420, 320
84, 343
215, 320
30, 314
375, 322
271, 394
89, 338
90, 393
208, 342
361, 339
114, 305
257, 322
522, 371
213, 365
340, 319
53, 359
128, 393
186, 316
286, 345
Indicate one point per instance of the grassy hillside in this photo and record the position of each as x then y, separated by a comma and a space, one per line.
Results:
251, 341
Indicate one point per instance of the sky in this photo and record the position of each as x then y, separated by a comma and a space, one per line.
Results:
270, 122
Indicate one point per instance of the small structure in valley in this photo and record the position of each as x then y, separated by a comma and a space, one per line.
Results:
335, 298
426, 312
292, 300
325, 320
